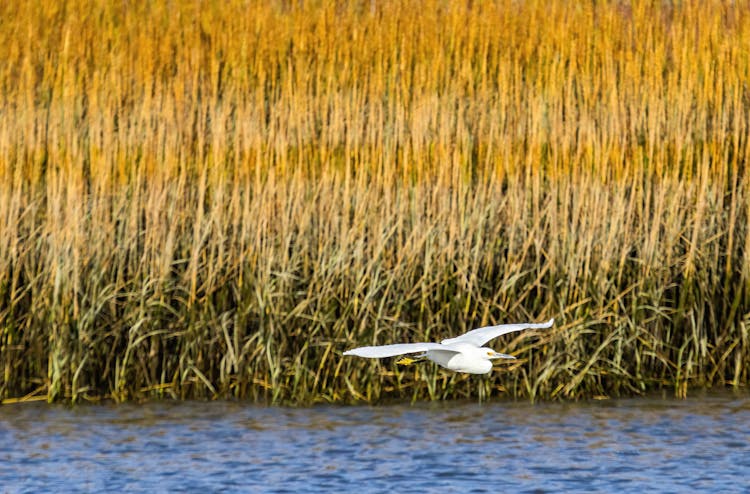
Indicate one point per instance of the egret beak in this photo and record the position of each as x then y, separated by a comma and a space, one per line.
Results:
503, 355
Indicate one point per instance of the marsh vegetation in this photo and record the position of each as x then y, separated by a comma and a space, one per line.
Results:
216, 198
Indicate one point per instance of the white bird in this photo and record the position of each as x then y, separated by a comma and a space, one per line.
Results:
463, 353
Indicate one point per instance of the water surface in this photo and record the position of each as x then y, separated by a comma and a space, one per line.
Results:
632, 445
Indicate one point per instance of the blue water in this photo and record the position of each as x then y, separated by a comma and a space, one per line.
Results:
634, 445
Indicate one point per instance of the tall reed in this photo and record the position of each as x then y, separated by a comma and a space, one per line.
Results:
214, 199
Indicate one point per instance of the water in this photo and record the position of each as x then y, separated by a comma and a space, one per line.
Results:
633, 445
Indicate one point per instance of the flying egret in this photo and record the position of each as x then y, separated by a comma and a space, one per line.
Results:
463, 353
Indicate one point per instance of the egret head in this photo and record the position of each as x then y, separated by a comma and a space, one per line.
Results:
491, 354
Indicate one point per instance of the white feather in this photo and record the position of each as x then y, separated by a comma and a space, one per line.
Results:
480, 336
393, 350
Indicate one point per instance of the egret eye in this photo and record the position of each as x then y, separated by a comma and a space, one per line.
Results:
490, 353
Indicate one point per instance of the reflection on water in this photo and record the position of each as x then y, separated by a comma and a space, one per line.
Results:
629, 445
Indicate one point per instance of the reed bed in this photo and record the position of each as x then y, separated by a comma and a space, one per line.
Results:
214, 199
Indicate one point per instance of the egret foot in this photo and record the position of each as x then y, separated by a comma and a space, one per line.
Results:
409, 360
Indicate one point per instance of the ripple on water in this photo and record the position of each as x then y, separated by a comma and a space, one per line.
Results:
619, 445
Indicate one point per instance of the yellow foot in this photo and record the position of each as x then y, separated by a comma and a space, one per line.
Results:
405, 361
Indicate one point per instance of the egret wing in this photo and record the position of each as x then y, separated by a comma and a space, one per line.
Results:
480, 336
393, 350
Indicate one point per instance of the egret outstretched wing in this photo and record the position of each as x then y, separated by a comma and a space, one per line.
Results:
480, 336
393, 350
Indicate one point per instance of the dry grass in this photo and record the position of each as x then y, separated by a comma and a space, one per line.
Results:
213, 199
